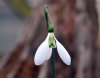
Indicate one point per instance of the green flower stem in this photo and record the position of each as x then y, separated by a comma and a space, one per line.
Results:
53, 64
46, 15
50, 30
50, 26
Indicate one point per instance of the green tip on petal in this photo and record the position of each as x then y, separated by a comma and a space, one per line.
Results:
52, 43
51, 28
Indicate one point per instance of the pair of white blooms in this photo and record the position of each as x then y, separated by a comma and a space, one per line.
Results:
44, 51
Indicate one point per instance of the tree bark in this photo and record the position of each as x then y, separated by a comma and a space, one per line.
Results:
84, 38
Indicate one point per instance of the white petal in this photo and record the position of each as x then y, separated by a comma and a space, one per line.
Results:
43, 53
63, 53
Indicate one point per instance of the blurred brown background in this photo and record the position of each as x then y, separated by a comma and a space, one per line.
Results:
23, 29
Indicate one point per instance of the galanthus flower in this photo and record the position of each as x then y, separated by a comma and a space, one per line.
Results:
44, 51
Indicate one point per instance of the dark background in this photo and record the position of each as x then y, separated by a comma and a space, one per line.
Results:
23, 29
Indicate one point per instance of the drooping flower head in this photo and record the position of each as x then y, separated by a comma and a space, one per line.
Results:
44, 51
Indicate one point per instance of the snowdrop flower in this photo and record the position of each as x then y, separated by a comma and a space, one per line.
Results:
44, 51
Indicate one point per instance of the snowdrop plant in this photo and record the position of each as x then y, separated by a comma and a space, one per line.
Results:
44, 51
